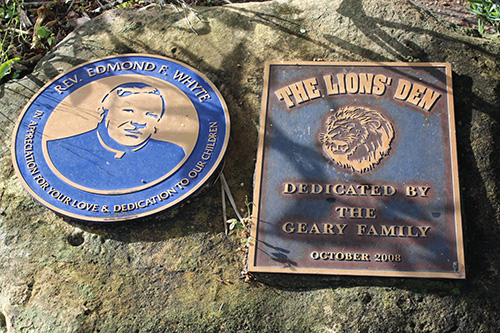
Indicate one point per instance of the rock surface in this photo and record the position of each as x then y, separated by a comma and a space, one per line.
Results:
163, 273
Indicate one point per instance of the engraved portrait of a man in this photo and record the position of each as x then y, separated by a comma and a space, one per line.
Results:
121, 151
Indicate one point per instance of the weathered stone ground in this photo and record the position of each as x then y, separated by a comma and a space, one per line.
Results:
161, 273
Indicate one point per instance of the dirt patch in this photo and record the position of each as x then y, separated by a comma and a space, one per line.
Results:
456, 11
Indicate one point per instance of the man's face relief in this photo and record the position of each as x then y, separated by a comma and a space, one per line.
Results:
132, 115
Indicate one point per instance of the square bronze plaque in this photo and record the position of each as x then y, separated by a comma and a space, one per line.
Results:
357, 171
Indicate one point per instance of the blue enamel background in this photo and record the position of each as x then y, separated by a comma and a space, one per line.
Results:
210, 110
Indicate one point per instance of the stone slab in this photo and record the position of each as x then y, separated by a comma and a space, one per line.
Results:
164, 273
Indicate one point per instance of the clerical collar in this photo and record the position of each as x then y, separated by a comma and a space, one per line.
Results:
111, 145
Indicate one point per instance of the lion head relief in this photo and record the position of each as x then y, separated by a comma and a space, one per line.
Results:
357, 138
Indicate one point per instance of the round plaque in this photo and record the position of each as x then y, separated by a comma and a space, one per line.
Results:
120, 138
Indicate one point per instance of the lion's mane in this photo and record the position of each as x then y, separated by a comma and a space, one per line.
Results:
357, 138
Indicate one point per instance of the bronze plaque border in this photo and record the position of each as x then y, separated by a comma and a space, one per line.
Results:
460, 274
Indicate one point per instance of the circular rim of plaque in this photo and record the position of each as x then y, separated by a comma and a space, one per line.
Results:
120, 137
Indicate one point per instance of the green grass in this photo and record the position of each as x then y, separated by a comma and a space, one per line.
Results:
10, 35
487, 11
